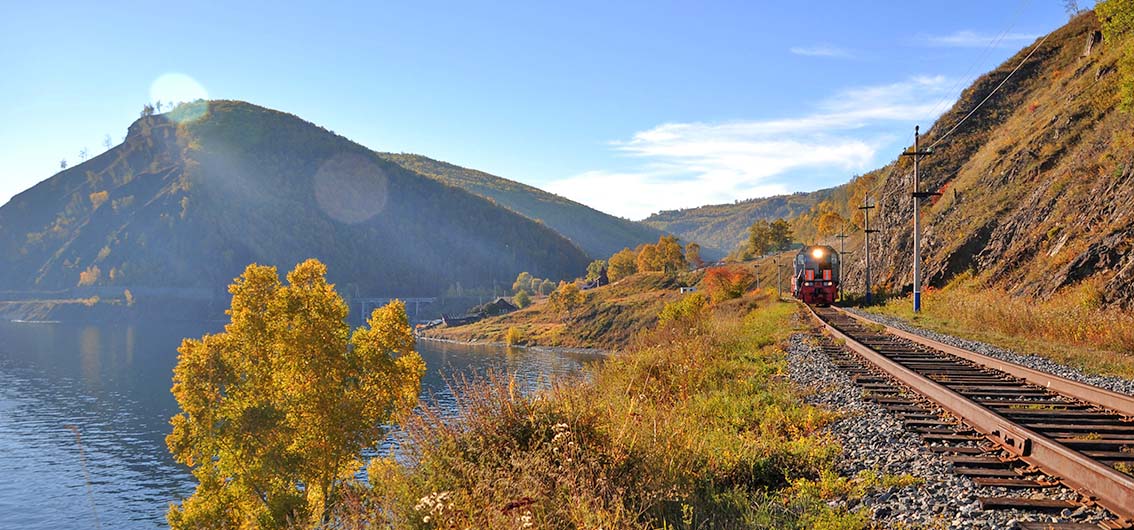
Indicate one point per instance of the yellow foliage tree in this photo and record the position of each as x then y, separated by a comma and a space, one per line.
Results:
622, 264
567, 297
277, 409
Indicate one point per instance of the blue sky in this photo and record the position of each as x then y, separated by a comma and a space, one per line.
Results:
630, 107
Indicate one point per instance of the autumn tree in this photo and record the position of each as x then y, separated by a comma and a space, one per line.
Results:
567, 298
670, 254
648, 259
830, 223
724, 283
622, 264
277, 409
693, 255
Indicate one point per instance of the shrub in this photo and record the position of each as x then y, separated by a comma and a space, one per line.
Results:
726, 283
513, 336
522, 299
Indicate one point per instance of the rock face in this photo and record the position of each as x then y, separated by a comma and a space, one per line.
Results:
1037, 185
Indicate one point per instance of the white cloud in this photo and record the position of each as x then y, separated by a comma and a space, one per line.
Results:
680, 165
820, 50
972, 39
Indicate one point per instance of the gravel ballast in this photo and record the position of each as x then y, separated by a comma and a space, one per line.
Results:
873, 439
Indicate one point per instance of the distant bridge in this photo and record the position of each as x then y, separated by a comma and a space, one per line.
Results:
368, 305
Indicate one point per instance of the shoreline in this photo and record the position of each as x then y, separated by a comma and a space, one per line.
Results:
597, 352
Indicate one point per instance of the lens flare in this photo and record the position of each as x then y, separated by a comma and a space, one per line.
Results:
350, 188
174, 87
817, 253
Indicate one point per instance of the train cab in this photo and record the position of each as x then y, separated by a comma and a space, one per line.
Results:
815, 277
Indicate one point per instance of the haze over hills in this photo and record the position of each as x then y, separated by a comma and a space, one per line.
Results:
723, 227
193, 196
597, 233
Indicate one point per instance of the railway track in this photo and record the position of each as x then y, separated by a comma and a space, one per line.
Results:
1010, 426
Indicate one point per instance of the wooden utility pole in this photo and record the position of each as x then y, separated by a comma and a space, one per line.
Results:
866, 206
918, 195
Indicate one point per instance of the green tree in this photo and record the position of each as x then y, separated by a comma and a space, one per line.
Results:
523, 283
760, 237
781, 234
1117, 20
622, 264
522, 299
546, 287
277, 408
595, 269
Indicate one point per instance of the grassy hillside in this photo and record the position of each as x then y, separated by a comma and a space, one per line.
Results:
608, 319
194, 195
1037, 186
597, 233
722, 227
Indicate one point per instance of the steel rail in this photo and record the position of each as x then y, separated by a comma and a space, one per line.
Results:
1104, 485
1120, 403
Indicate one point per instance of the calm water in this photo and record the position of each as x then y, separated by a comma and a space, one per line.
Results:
84, 410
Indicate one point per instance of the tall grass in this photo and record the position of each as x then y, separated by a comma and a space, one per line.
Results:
695, 426
1072, 327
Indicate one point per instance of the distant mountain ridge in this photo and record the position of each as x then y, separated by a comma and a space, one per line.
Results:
599, 234
194, 195
723, 227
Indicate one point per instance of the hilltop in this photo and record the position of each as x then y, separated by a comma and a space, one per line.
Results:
597, 233
194, 195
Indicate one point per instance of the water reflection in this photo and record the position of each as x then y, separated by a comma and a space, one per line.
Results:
111, 382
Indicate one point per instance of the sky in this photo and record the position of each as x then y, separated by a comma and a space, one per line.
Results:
629, 107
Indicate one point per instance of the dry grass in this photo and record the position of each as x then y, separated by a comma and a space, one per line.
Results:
1071, 328
695, 426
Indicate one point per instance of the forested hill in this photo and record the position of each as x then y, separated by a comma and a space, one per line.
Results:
599, 234
723, 227
194, 195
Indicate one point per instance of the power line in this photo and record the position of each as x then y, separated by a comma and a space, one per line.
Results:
990, 94
940, 106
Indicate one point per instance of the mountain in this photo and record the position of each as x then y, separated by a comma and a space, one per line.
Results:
723, 227
1037, 185
597, 233
194, 195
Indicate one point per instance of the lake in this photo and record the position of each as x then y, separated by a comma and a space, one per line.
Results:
84, 410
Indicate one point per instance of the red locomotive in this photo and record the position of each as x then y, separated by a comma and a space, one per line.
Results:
815, 279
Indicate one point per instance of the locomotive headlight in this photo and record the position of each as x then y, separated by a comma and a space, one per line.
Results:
817, 253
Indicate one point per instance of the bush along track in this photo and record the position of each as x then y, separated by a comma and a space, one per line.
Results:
695, 425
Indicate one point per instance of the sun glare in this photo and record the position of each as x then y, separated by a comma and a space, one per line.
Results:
175, 88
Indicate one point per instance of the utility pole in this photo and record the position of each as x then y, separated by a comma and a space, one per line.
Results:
842, 254
866, 206
918, 195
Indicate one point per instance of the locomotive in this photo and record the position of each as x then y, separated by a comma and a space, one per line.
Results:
815, 277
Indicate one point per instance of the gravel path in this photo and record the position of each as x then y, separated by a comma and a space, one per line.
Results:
1114, 383
873, 439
